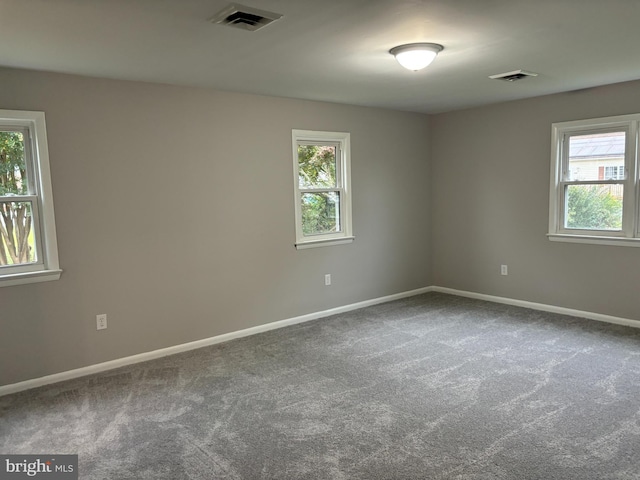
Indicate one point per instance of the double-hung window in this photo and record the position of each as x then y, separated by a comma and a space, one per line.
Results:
28, 247
322, 188
612, 172
594, 190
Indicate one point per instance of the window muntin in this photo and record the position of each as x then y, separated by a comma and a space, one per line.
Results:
322, 188
594, 185
28, 246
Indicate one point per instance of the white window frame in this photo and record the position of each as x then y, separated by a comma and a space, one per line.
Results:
47, 267
616, 172
342, 140
628, 235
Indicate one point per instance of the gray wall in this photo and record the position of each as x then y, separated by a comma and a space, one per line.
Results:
174, 210
175, 216
490, 204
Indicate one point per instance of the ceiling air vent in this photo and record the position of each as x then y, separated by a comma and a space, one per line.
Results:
513, 76
247, 18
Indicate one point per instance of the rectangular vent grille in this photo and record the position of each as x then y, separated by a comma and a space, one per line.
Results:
513, 76
247, 18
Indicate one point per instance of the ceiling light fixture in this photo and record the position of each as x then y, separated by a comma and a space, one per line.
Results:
416, 56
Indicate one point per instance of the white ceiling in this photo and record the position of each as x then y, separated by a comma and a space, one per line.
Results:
334, 50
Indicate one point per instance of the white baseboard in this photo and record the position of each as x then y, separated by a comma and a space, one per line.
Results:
163, 352
185, 347
541, 306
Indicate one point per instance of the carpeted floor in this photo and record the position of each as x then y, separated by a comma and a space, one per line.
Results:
430, 387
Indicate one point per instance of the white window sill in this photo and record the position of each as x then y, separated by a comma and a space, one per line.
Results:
595, 239
29, 277
324, 243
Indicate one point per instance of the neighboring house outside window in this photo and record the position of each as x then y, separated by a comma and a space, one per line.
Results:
594, 181
322, 186
28, 246
607, 172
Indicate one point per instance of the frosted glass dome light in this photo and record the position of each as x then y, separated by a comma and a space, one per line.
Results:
416, 56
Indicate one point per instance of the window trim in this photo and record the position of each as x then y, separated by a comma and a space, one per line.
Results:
628, 234
343, 179
47, 267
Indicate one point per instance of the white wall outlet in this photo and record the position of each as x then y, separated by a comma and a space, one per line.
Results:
504, 270
101, 321
327, 279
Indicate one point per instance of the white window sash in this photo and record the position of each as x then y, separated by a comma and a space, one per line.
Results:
339, 140
560, 175
46, 268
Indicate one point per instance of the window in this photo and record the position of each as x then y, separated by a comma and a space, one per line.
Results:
28, 248
612, 173
322, 188
594, 181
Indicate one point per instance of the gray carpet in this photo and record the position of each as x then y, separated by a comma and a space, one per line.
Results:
430, 387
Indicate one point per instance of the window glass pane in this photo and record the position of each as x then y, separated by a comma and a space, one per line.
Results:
317, 166
597, 156
13, 175
17, 239
320, 213
614, 172
594, 207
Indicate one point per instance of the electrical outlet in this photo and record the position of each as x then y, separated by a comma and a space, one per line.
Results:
327, 279
101, 321
504, 270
